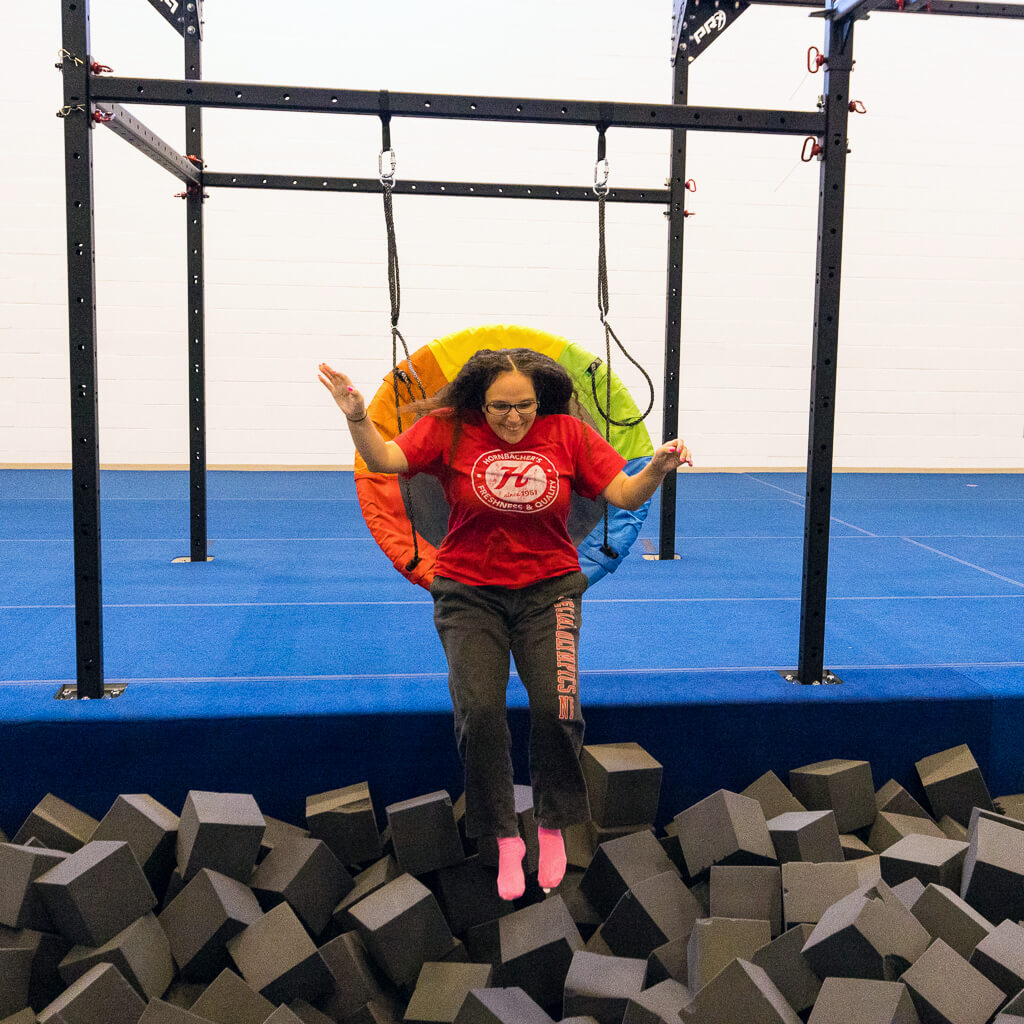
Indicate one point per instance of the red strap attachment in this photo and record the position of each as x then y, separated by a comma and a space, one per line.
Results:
810, 152
195, 159
99, 69
815, 60
691, 185
857, 107
103, 116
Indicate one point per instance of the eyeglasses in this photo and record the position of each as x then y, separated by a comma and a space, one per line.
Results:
524, 408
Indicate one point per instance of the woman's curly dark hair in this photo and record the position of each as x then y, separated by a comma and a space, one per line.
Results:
465, 395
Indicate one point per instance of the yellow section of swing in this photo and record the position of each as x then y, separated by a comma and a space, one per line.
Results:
453, 350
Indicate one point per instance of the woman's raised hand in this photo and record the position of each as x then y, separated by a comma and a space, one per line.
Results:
349, 401
672, 455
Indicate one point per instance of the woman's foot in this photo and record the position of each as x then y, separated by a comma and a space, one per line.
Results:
511, 882
551, 868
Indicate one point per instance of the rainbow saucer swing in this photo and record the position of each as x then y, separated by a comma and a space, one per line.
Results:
386, 503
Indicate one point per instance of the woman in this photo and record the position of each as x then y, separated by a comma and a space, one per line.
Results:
502, 442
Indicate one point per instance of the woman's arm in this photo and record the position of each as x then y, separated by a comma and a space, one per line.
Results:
379, 455
631, 492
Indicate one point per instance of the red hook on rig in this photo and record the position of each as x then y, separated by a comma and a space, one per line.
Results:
807, 154
815, 60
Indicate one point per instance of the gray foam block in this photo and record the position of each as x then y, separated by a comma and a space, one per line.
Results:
724, 828
654, 911
37, 953
863, 1001
839, 785
581, 910
21, 904
806, 836
344, 819
96, 892
536, 946
159, 1012
949, 917
142, 953
894, 798
101, 995
657, 1004
809, 889
441, 989
370, 879
16, 956
853, 847
424, 833
468, 895
717, 941
354, 982
909, 892
928, 858
221, 832
868, 934
278, 959
773, 796
304, 873
277, 831
307, 1013
57, 825
889, 828
953, 829
623, 783
201, 919
1000, 957
739, 992
229, 1000
150, 829
378, 1011
25, 1016
283, 1015
1013, 1011
601, 986
510, 1005
783, 961
993, 872
946, 988
402, 926
752, 891
620, 864
953, 783
668, 961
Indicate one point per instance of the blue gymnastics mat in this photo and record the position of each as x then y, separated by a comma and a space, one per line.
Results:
299, 661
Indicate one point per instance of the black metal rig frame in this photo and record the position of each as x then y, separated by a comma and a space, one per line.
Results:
91, 98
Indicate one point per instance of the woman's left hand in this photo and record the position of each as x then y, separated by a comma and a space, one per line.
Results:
671, 455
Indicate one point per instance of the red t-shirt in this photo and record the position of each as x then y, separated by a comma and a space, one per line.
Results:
509, 502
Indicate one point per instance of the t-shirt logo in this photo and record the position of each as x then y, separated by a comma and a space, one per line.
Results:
515, 481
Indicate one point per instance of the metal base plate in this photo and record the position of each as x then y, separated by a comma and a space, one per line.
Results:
827, 678
70, 691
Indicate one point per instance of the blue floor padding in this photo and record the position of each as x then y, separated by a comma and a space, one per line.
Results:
298, 660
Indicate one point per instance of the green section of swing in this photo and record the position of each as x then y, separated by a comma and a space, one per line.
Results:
630, 442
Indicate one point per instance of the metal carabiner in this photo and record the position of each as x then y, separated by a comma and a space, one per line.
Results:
807, 155
387, 177
601, 178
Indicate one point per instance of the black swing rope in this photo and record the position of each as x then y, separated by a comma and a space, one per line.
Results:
387, 181
601, 191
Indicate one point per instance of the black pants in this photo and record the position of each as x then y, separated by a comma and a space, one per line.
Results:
539, 625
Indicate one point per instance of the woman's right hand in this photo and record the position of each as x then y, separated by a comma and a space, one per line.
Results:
349, 401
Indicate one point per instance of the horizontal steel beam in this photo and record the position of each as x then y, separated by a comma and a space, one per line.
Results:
956, 8
486, 190
241, 96
133, 131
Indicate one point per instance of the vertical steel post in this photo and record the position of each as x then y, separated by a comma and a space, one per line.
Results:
818, 498
674, 307
85, 454
193, 32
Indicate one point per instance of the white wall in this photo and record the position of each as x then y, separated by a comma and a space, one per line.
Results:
932, 319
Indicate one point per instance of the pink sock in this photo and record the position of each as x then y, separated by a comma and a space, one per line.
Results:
551, 869
511, 883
